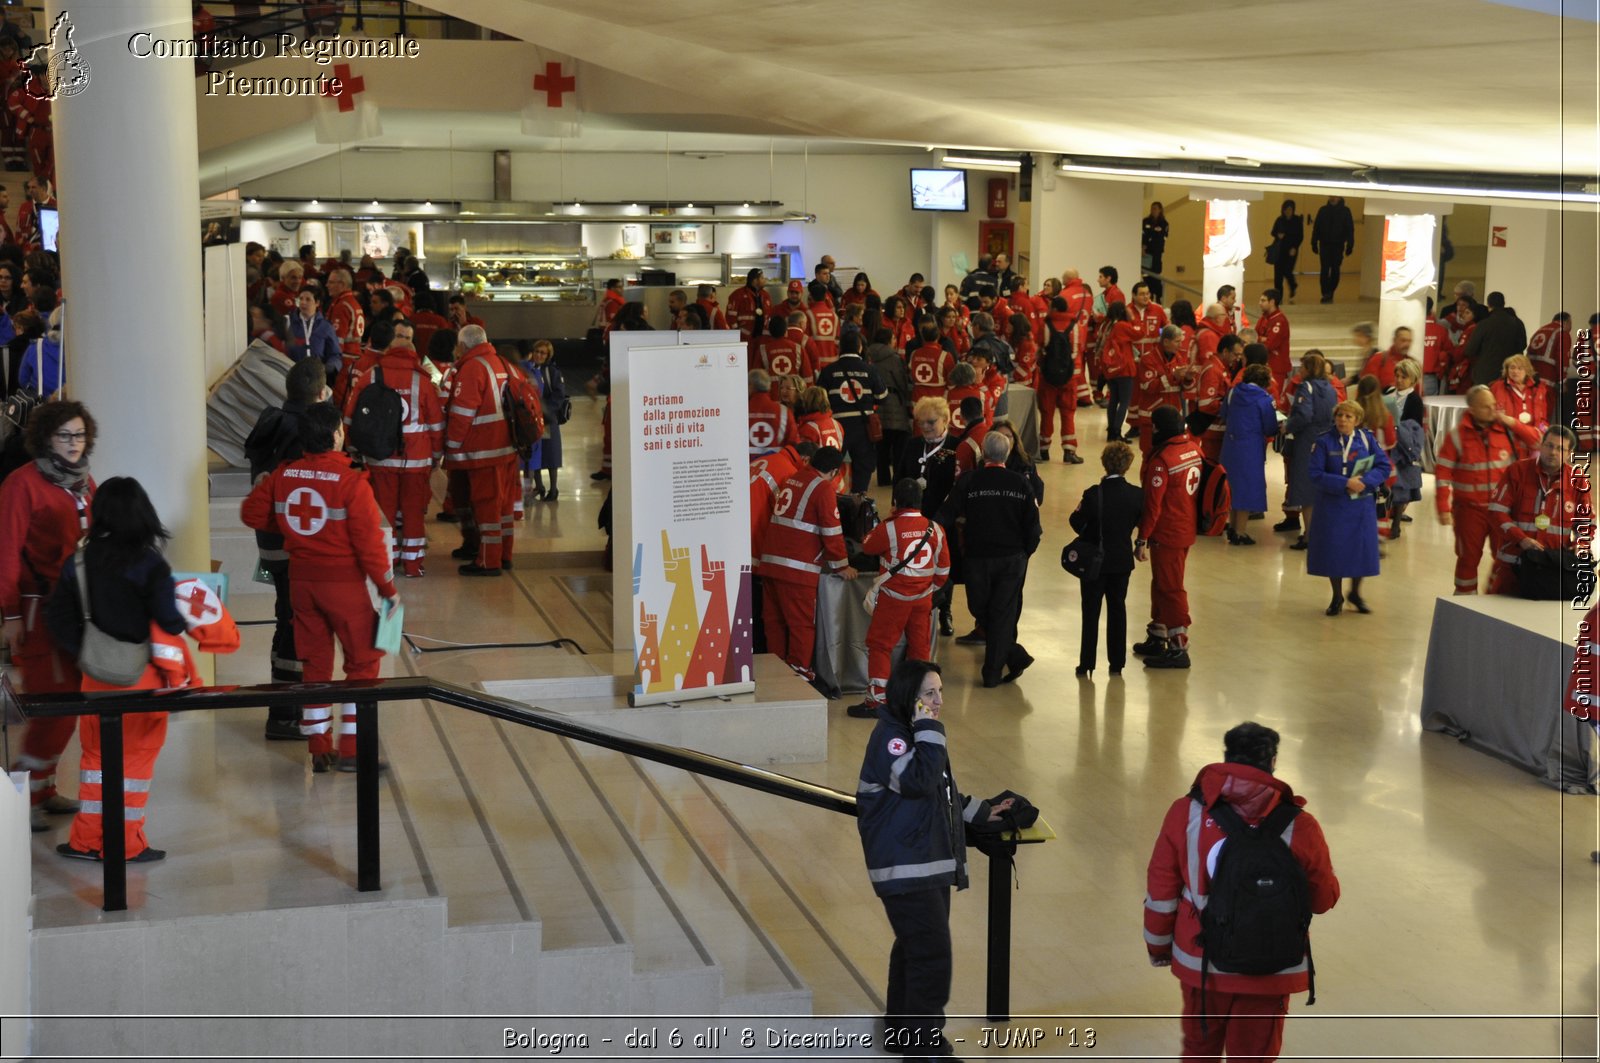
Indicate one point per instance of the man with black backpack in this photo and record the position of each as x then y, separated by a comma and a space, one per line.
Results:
1237, 873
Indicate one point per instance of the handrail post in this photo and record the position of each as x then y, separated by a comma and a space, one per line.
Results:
367, 796
998, 995
113, 814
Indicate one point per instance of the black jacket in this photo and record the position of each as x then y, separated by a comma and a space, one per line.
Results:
1110, 513
274, 440
1497, 337
124, 600
1334, 231
1289, 233
938, 472
1002, 519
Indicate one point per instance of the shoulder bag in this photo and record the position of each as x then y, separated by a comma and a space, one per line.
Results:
102, 656
1083, 559
870, 602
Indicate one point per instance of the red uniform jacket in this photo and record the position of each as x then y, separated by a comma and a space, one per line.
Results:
1155, 385
929, 367
425, 323
283, 300
1080, 299
993, 386
1472, 459
1178, 879
902, 536
1381, 365
766, 473
1273, 329
327, 516
823, 325
1025, 362
905, 333
1437, 350
348, 322
804, 533
824, 431
476, 433
954, 397
745, 306
1210, 387
959, 338
714, 315
969, 450
1149, 322
422, 425
1529, 404
1527, 498
40, 525
1209, 335
772, 426
784, 356
1171, 481
1550, 351
1117, 357
349, 369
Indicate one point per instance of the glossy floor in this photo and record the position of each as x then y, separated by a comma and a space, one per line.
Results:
1467, 926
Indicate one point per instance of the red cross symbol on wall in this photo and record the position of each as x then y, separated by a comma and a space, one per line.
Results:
554, 84
198, 601
348, 84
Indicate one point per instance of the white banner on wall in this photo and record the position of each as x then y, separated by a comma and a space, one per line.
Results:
689, 547
1408, 267
1227, 233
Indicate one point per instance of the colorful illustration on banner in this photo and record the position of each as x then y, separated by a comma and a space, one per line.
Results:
710, 659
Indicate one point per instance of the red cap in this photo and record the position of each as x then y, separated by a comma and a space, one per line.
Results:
797, 285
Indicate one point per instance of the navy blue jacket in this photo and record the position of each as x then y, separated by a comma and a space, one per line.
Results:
909, 812
322, 345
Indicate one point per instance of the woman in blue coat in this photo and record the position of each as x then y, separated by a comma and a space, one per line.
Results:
1250, 420
1344, 539
546, 379
1310, 419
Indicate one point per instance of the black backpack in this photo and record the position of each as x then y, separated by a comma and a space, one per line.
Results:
1258, 918
376, 421
1057, 364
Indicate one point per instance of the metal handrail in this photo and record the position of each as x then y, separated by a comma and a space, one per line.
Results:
112, 705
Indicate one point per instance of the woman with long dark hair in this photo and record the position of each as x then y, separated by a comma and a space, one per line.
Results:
910, 816
129, 587
1288, 233
1117, 366
1152, 243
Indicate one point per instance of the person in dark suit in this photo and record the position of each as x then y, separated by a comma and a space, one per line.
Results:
1333, 236
1109, 514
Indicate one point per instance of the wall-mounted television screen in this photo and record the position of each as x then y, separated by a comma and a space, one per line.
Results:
939, 190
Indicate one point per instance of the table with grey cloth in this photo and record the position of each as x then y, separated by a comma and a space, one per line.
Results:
1444, 413
1496, 677
840, 658
1022, 409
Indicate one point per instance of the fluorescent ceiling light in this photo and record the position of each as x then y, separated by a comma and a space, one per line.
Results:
979, 162
1364, 187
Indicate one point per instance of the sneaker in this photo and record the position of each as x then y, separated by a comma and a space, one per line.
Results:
284, 731
65, 849
1172, 659
478, 570
866, 710
148, 856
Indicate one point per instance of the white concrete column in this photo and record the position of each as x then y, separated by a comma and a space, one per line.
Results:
1083, 224
1408, 265
1226, 246
1525, 262
128, 183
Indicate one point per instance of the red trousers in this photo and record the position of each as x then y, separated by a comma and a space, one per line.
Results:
403, 495
892, 618
1471, 525
1502, 578
1244, 1026
1065, 401
324, 611
789, 611
44, 669
1169, 602
142, 737
487, 494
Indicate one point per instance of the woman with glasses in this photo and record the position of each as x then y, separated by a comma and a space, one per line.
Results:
44, 512
929, 458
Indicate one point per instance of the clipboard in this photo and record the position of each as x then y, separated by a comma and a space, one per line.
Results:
391, 621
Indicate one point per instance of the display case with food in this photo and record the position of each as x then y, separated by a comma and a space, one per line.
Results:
544, 277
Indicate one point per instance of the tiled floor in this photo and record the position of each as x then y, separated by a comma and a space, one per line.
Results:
1468, 889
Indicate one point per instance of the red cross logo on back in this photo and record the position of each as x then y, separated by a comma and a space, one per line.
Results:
554, 85
306, 511
199, 603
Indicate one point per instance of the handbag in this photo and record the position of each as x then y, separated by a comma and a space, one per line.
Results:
874, 427
870, 601
102, 656
1084, 559
1272, 253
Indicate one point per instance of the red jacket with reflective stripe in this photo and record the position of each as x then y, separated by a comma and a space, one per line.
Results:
327, 516
901, 536
929, 368
1171, 481
476, 433
1178, 879
771, 425
422, 426
823, 324
1516, 506
1155, 385
766, 473
744, 306
1472, 459
1550, 349
349, 322
1529, 404
1274, 332
804, 533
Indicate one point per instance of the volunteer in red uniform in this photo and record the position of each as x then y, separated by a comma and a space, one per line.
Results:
1211, 329
954, 333
1116, 366
333, 531
1024, 353
400, 481
897, 318
766, 473
1020, 303
1241, 1015
1521, 395
44, 512
1541, 504
705, 297
916, 563
379, 336
822, 325
479, 456
1471, 460
345, 314
772, 426
456, 313
1205, 388
1550, 349
1107, 279
286, 294
795, 303
929, 365
1273, 330
1148, 317
964, 385
1058, 378
1166, 531
783, 352
991, 383
749, 307
1157, 384
1438, 350
1381, 364
802, 539
815, 424
1228, 296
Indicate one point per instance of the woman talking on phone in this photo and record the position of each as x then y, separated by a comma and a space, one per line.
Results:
911, 815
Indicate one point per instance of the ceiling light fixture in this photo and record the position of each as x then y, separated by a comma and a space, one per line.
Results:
981, 162
1239, 160
1365, 187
